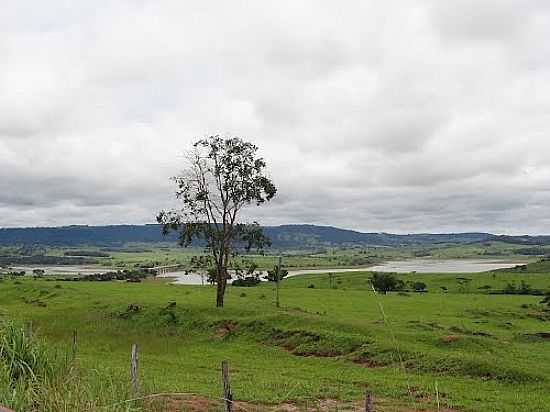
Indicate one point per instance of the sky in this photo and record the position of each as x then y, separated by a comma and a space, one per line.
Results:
398, 116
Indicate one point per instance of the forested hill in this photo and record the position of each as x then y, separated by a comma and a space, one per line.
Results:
286, 236
294, 235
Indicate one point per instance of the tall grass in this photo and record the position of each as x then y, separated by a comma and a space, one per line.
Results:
34, 377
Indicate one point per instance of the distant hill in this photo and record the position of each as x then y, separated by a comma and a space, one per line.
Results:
294, 235
285, 236
524, 240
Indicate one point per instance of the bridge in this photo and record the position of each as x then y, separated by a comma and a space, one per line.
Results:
161, 270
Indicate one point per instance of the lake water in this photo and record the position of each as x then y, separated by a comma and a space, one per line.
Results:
399, 266
444, 265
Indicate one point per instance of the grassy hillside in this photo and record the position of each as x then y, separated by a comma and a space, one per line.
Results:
483, 351
471, 283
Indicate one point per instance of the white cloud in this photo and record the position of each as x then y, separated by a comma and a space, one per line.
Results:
395, 116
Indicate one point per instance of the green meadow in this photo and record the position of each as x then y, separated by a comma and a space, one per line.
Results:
452, 348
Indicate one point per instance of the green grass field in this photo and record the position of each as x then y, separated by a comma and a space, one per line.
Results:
482, 351
471, 283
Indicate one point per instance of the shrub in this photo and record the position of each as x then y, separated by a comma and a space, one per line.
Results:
272, 275
419, 286
386, 282
248, 281
22, 358
33, 377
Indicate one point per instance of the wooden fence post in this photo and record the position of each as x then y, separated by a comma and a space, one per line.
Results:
227, 395
368, 402
134, 368
278, 280
74, 344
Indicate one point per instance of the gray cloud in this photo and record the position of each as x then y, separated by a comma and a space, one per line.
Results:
424, 116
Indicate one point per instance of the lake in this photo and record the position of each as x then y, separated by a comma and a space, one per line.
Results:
444, 265
399, 266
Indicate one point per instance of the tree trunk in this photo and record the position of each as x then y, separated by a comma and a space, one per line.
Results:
220, 287
219, 295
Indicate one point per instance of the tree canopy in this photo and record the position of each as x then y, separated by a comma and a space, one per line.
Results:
220, 178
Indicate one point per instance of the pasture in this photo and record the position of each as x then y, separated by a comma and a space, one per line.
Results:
327, 342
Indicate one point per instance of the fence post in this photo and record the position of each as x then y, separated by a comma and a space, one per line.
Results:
368, 402
29, 329
279, 266
134, 368
74, 344
227, 395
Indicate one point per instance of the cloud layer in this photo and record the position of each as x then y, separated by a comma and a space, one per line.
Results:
380, 116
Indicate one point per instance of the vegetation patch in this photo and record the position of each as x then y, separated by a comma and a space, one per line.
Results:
307, 343
35, 377
130, 311
539, 335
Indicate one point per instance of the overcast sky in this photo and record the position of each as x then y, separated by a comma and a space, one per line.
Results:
400, 116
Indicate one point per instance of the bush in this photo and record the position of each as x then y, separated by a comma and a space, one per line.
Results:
386, 282
22, 358
419, 286
33, 377
272, 275
246, 282
134, 275
523, 289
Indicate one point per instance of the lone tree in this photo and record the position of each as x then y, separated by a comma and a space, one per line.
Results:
276, 274
385, 282
222, 175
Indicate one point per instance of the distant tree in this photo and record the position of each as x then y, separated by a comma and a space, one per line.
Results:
419, 286
247, 277
222, 176
385, 282
272, 274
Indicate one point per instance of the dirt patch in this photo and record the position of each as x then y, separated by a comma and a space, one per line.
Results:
196, 403
450, 338
366, 361
226, 328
